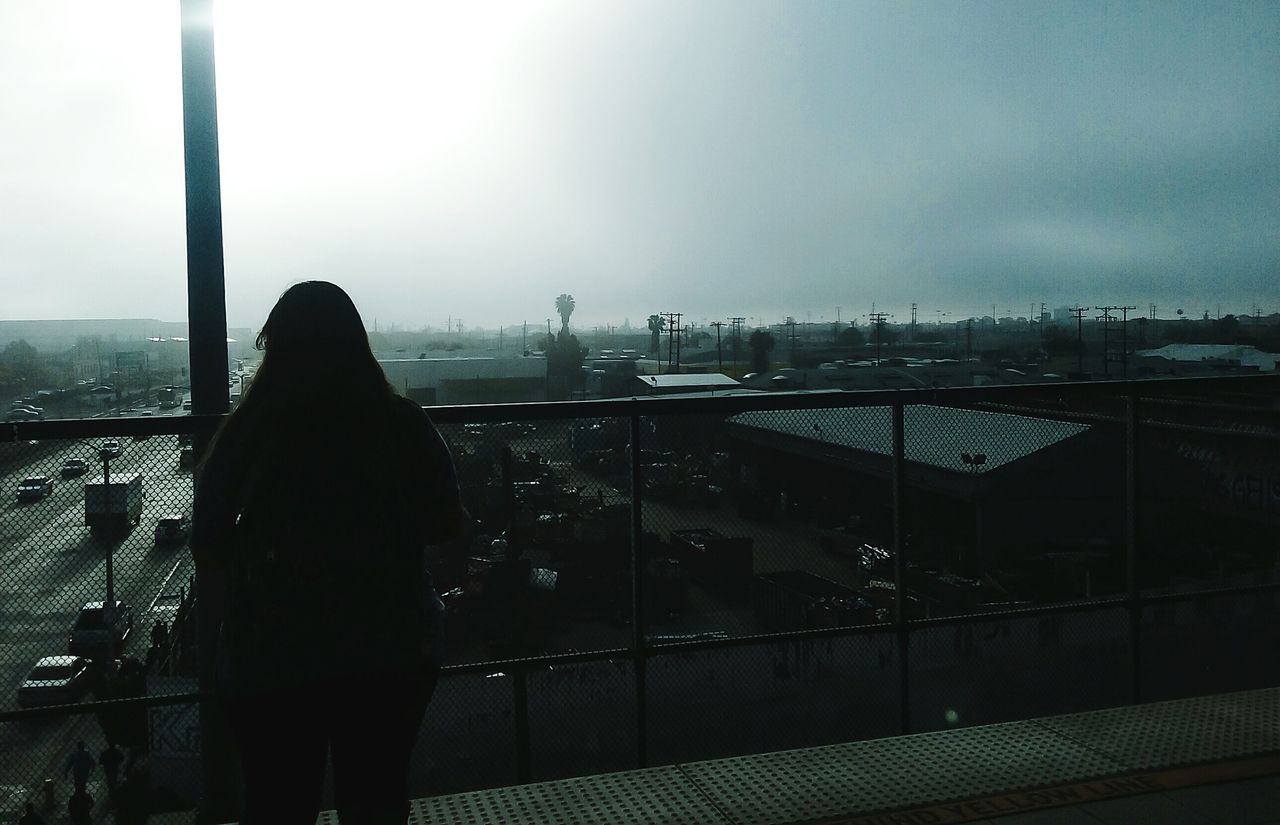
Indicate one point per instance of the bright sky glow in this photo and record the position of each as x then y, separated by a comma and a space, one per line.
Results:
714, 157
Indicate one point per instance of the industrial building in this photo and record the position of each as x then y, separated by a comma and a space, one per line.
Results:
476, 380
987, 490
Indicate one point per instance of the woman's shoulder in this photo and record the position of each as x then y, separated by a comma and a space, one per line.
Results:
410, 412
415, 420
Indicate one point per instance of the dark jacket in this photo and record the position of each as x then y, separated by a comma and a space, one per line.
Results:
323, 545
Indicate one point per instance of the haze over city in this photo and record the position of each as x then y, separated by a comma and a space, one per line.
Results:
720, 158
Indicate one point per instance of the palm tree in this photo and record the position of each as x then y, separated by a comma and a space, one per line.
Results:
656, 325
564, 306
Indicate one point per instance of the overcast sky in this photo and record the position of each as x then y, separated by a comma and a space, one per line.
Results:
713, 157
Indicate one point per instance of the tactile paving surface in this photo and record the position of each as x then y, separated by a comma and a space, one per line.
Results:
883, 774
658, 796
1180, 732
907, 771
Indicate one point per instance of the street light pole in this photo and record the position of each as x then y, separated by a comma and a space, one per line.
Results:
109, 608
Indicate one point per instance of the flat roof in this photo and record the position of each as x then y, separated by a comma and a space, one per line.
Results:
936, 436
683, 380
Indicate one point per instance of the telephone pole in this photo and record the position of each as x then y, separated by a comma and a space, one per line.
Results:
736, 323
1079, 312
913, 322
673, 322
681, 334
719, 356
1107, 319
878, 319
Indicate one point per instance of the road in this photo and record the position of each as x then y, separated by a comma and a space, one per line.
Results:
50, 565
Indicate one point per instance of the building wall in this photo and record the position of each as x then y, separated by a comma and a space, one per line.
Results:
467, 380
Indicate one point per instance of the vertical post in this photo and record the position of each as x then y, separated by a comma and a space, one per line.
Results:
206, 288
109, 606
637, 599
520, 702
1131, 544
899, 568
207, 319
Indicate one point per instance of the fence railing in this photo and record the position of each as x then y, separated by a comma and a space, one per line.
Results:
932, 599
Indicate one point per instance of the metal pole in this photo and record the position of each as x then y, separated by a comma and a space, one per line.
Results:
637, 599
1131, 544
520, 701
109, 607
899, 568
207, 319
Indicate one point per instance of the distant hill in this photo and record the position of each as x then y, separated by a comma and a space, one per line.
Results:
56, 335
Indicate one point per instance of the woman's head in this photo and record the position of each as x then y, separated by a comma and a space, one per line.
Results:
313, 340
314, 317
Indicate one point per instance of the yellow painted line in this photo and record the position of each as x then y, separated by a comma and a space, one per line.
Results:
1075, 793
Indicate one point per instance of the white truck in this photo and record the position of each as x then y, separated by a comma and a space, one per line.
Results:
113, 508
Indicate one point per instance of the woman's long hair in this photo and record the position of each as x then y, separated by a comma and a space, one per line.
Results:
318, 380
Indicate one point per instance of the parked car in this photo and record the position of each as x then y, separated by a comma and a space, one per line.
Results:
112, 449
172, 529
55, 680
74, 467
34, 488
93, 636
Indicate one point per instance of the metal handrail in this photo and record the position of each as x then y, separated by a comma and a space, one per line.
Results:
641, 649
661, 406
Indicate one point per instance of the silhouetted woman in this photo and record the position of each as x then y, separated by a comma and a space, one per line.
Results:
317, 499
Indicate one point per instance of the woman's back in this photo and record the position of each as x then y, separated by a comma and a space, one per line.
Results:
324, 545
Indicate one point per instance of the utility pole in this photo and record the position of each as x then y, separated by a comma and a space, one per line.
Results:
968, 340
1079, 312
913, 322
1107, 319
736, 321
524, 338
673, 321
878, 319
680, 335
719, 356
1124, 340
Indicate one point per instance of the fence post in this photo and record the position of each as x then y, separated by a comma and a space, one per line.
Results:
637, 599
520, 704
1131, 544
899, 567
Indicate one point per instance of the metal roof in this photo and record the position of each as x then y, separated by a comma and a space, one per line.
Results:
1247, 355
683, 380
936, 436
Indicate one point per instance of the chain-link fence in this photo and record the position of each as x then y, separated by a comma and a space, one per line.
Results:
1013, 666
98, 598
808, 574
